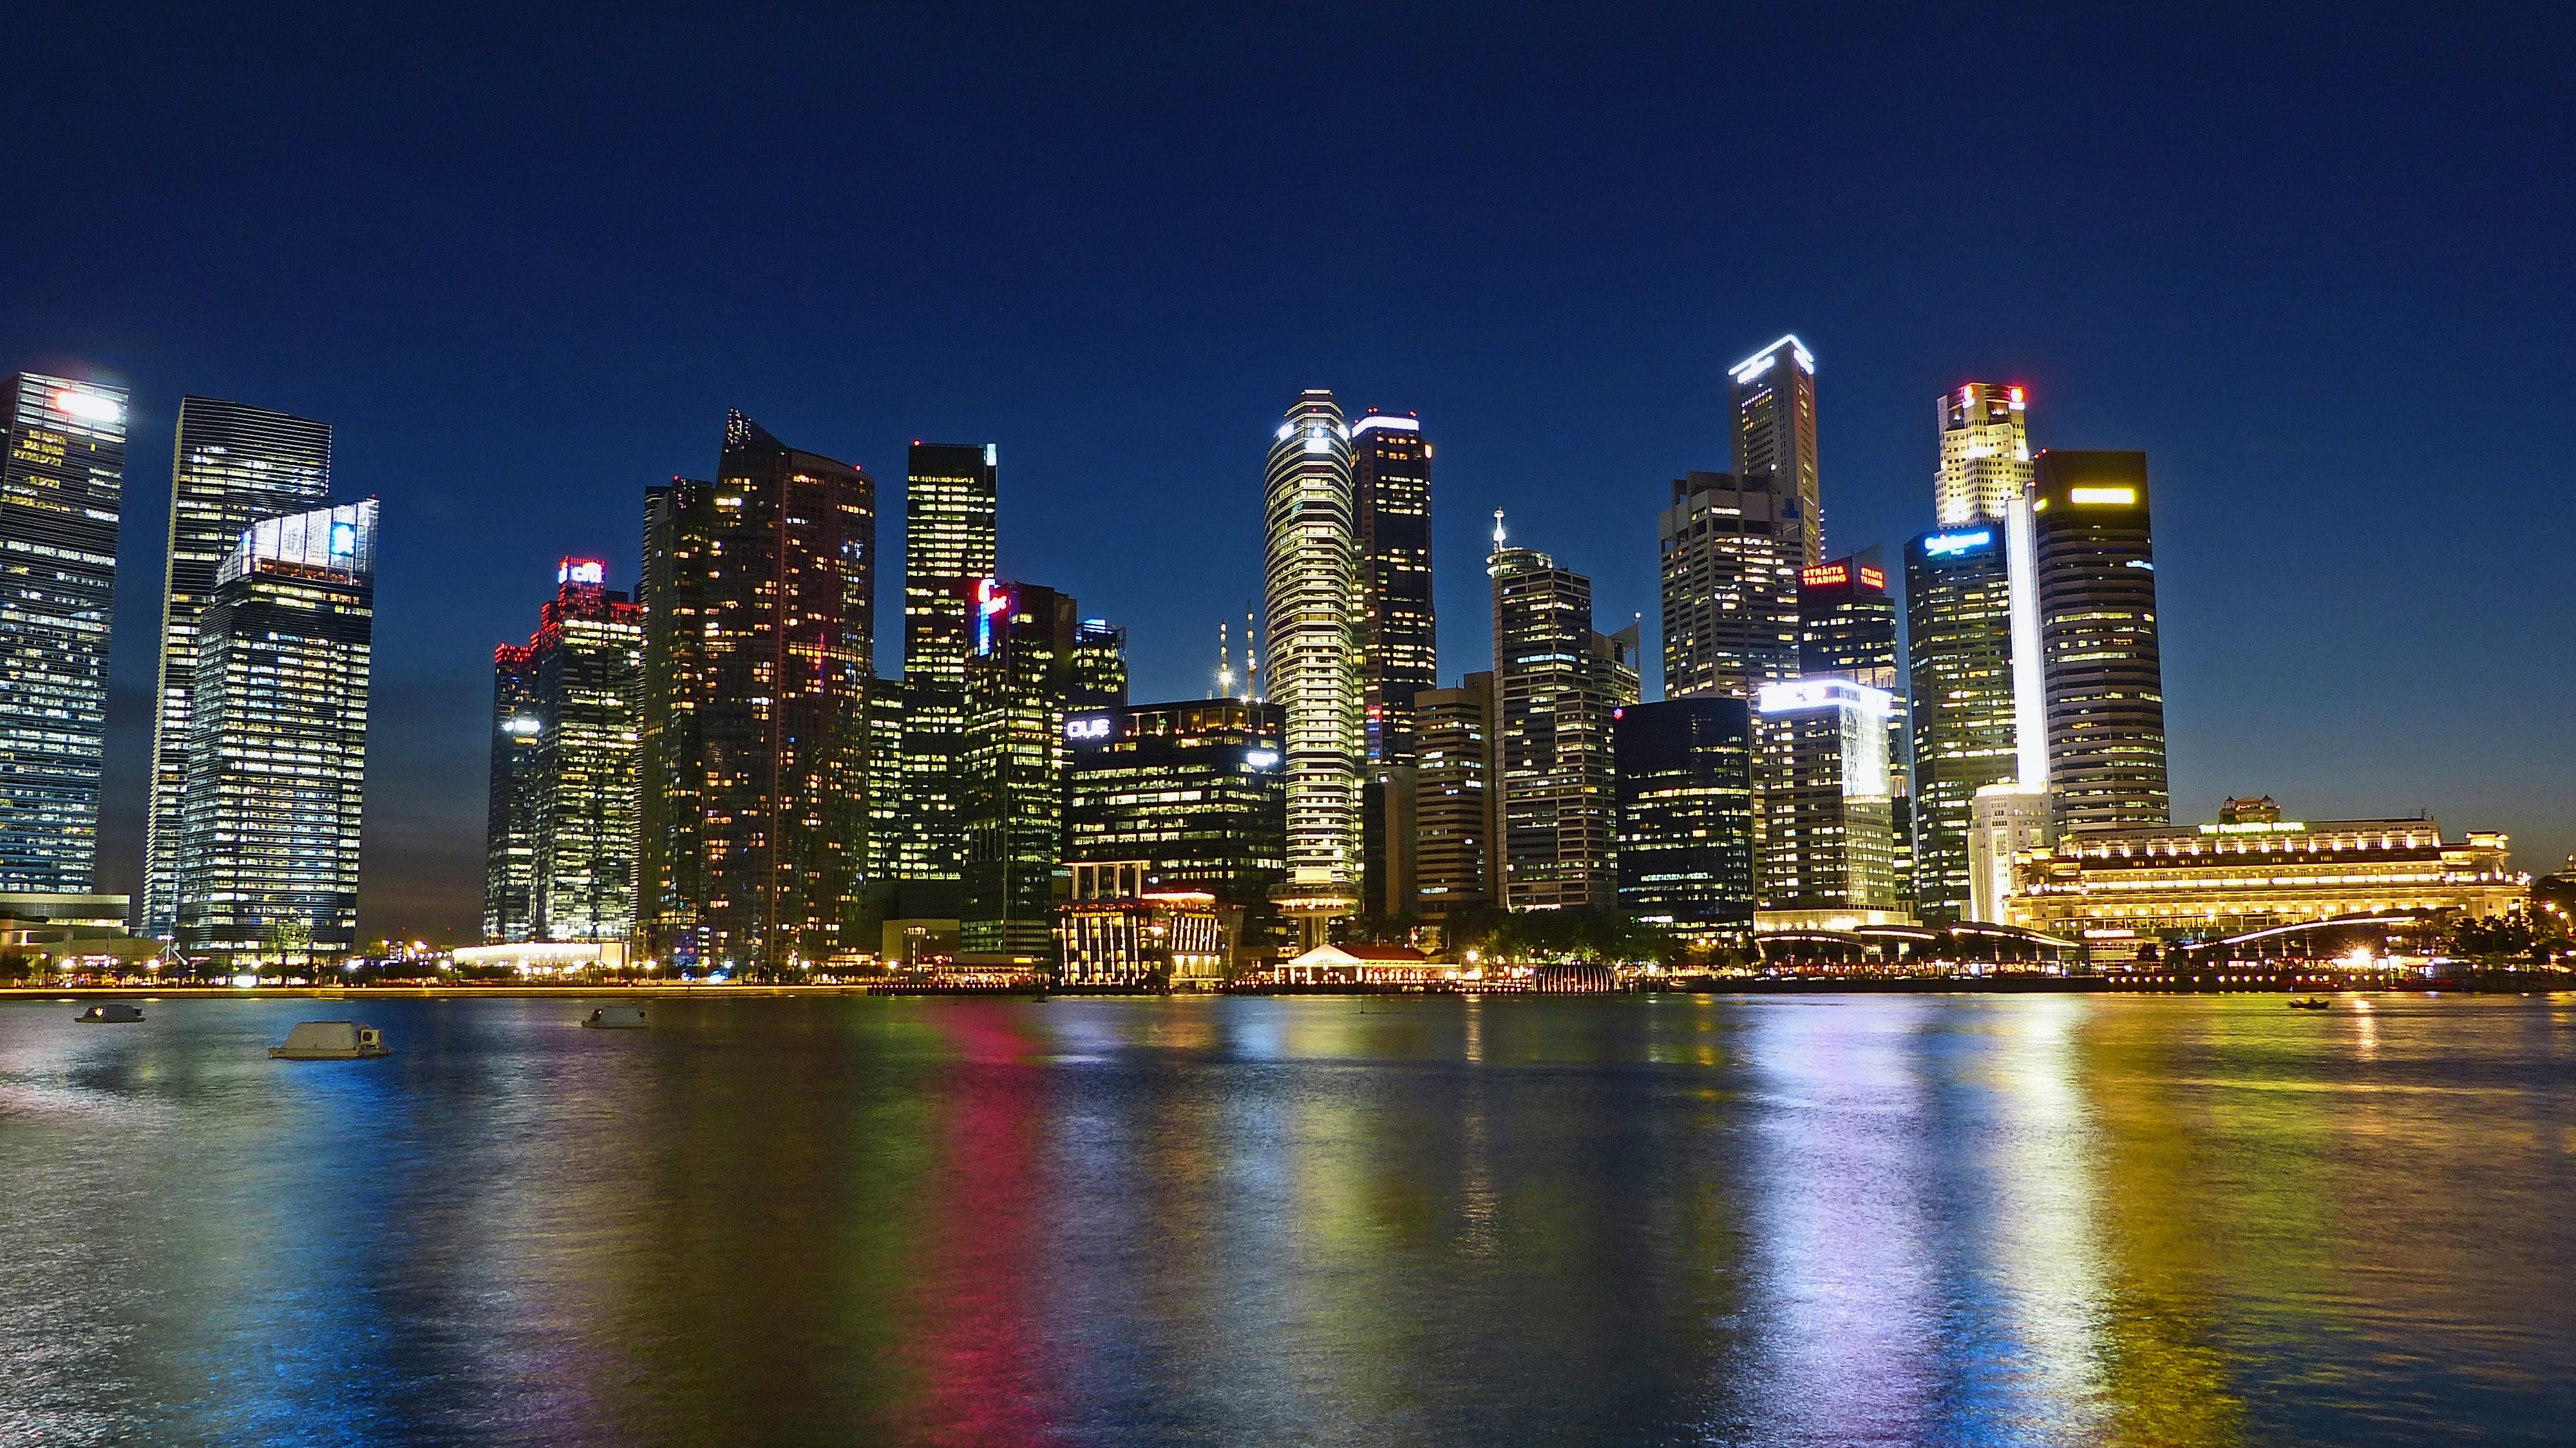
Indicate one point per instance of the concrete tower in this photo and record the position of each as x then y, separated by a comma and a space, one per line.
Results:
1311, 583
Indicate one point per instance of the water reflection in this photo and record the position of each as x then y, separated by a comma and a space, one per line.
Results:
1835, 1220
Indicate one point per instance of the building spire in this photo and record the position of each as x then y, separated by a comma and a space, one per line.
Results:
1224, 666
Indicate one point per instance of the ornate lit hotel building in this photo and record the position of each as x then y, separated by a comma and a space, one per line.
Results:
1985, 453
559, 855
277, 748
1311, 594
234, 464
2122, 890
62, 479
759, 595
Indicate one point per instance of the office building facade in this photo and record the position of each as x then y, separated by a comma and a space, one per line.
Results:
277, 749
1686, 815
1312, 599
62, 483
759, 596
1823, 828
2104, 673
1456, 861
1399, 653
952, 496
560, 858
1958, 603
1193, 789
1773, 406
1011, 785
1847, 630
1728, 563
1985, 453
1558, 684
233, 465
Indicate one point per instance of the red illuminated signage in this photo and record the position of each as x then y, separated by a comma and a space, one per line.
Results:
1824, 575
1873, 578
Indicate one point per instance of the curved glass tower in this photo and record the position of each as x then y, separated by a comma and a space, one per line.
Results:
1311, 586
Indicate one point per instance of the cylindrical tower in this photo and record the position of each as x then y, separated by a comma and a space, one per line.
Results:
1312, 594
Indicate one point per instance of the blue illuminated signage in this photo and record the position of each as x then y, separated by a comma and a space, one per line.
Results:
344, 539
1949, 545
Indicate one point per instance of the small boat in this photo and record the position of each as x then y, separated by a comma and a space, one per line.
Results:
2310, 1003
331, 1041
616, 1018
114, 1013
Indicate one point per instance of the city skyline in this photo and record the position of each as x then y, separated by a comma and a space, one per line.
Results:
2234, 311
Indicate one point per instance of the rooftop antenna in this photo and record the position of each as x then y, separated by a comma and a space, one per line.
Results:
1251, 663
1498, 530
1224, 666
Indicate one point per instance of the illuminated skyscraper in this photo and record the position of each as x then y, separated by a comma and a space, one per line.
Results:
1985, 453
560, 859
1823, 832
1192, 788
234, 465
1457, 864
951, 499
277, 747
1096, 673
1011, 767
1558, 685
510, 820
1729, 567
887, 705
759, 597
2104, 674
1847, 630
1686, 815
61, 488
1311, 575
1774, 406
1959, 642
1391, 489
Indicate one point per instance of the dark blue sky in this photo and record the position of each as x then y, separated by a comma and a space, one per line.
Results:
2317, 266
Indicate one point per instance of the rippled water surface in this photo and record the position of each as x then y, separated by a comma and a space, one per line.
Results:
1975, 1219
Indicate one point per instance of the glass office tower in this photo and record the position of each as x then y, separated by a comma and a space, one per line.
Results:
233, 465
1774, 405
1457, 866
1011, 766
1391, 491
1823, 831
510, 819
2103, 672
62, 483
1729, 554
1312, 599
1558, 685
1192, 788
952, 496
1686, 815
1958, 597
277, 747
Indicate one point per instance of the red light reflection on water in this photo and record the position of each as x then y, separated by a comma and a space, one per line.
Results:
978, 1350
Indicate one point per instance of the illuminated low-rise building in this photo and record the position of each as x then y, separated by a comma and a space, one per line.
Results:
1119, 930
2124, 890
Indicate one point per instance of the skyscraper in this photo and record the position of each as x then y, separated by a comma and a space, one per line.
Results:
759, 596
1558, 684
1311, 579
1391, 491
1959, 643
61, 488
1457, 865
1686, 815
1011, 766
560, 858
1822, 826
233, 465
1774, 406
1847, 630
1729, 565
510, 820
277, 748
951, 501
2104, 675
1096, 672
1985, 453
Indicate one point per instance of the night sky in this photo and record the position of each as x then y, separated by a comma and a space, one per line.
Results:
2316, 267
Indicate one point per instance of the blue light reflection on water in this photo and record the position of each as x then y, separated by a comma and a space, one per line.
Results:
1860, 1219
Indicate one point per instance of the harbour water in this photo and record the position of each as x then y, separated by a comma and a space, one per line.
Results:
1864, 1219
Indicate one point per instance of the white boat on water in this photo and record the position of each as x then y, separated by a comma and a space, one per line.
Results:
616, 1018
114, 1013
331, 1041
